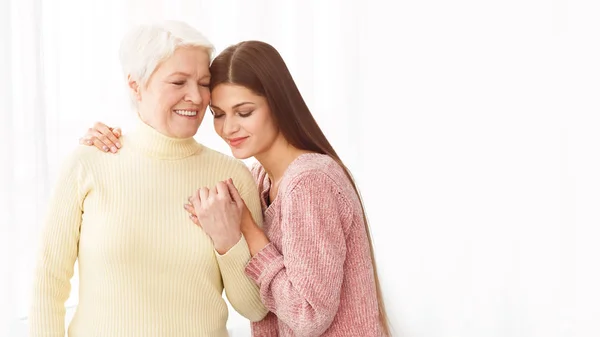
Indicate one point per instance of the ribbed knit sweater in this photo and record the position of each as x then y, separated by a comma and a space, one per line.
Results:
145, 269
316, 275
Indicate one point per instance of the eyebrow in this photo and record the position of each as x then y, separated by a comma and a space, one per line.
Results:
233, 107
180, 73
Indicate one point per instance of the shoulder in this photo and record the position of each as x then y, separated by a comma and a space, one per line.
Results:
85, 156
317, 174
78, 165
315, 187
312, 167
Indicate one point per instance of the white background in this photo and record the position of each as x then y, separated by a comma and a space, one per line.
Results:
471, 128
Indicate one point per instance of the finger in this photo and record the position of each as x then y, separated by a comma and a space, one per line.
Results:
223, 190
235, 194
195, 220
99, 144
203, 194
101, 141
190, 209
85, 141
107, 136
117, 132
196, 202
97, 135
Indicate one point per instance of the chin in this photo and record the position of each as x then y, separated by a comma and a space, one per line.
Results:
240, 154
181, 135
187, 133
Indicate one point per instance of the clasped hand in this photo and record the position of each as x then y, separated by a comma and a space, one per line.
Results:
218, 211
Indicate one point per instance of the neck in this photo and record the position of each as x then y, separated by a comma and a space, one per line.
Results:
156, 145
277, 158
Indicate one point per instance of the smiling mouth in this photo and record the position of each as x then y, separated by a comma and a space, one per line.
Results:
237, 141
186, 113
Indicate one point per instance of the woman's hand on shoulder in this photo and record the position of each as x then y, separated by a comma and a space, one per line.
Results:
103, 137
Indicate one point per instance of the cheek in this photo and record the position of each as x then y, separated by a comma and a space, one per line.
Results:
165, 99
175, 98
205, 96
267, 127
218, 125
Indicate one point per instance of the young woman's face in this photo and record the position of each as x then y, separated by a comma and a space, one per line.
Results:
243, 119
175, 98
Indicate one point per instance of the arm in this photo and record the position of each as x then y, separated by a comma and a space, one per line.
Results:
301, 283
255, 236
241, 291
57, 255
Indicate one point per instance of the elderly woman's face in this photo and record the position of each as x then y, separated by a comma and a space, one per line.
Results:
175, 98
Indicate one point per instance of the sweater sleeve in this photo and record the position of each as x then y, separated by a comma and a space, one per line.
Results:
241, 291
57, 253
301, 283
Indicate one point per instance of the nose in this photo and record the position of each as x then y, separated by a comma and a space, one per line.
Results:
193, 94
230, 126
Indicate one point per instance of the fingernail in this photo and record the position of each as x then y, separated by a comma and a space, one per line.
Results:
105, 148
118, 145
88, 142
113, 149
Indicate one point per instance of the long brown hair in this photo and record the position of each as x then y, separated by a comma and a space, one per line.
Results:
259, 67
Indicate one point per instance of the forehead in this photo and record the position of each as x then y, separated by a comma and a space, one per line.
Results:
189, 60
228, 92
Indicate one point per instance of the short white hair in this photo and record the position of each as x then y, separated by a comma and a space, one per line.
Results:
145, 46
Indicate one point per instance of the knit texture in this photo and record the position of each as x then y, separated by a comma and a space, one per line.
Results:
145, 269
316, 275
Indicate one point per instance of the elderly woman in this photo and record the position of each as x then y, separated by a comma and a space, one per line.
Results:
144, 268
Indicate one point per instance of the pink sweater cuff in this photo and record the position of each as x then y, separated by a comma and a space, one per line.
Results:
265, 262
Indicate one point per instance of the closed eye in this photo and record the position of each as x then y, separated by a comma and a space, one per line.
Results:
244, 115
183, 82
215, 115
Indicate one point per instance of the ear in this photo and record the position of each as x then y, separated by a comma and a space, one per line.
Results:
135, 87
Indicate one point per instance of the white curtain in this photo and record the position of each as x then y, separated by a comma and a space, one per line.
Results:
470, 126
25, 151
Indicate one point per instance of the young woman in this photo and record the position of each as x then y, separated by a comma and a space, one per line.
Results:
313, 259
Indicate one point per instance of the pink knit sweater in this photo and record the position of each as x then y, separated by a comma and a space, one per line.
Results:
316, 275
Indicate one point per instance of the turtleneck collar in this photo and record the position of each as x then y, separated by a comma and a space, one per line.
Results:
156, 145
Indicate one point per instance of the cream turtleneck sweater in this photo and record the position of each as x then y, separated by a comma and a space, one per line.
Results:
144, 268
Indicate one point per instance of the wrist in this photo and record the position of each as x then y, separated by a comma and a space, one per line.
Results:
256, 239
223, 245
247, 224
